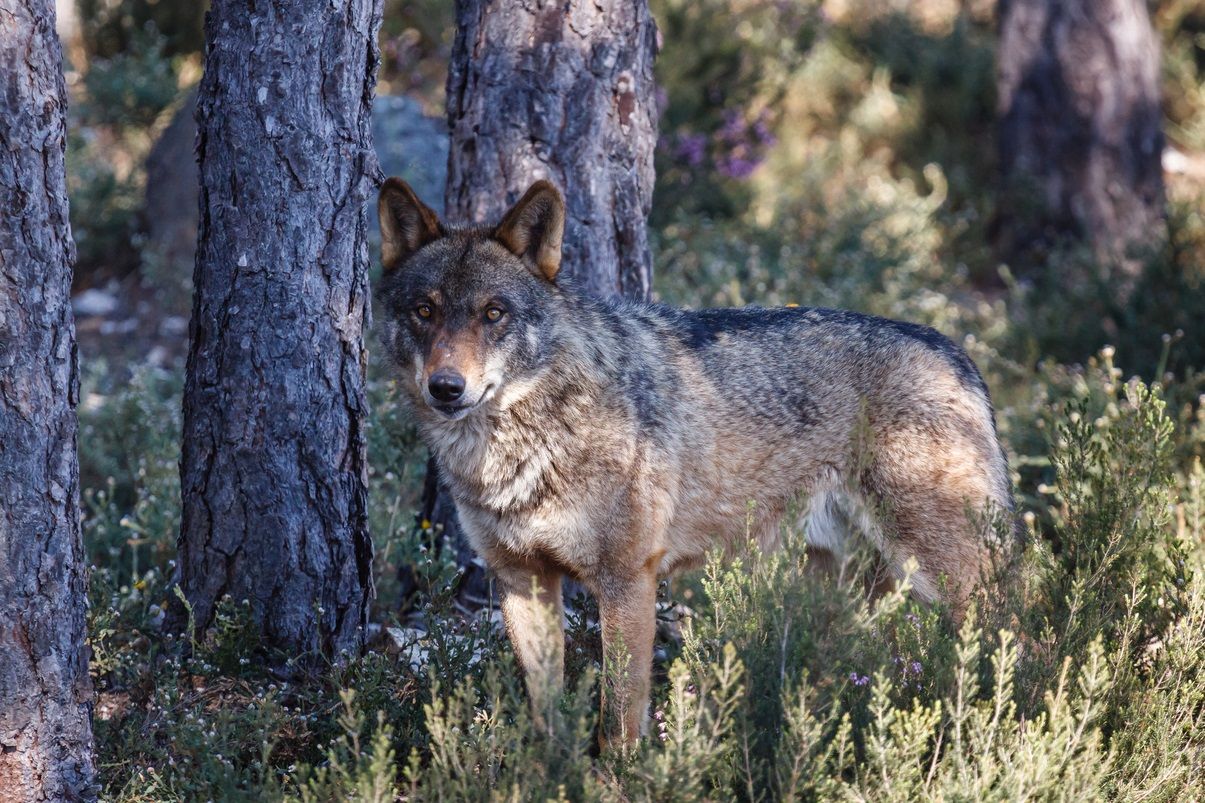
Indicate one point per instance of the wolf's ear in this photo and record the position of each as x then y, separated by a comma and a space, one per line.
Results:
407, 224
533, 229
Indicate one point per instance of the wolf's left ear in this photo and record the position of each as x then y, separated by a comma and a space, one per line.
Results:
533, 229
407, 224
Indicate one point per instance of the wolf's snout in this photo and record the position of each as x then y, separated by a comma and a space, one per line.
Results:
446, 386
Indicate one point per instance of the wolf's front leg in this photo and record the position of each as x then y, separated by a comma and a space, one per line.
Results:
628, 613
534, 614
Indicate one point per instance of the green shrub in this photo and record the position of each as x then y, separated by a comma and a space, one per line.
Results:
131, 87
352, 774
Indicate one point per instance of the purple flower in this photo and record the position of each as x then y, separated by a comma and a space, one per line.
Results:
858, 680
734, 127
741, 145
691, 149
736, 166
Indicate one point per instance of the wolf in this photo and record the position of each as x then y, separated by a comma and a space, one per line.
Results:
616, 442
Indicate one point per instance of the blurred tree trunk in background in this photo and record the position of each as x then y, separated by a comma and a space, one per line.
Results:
273, 467
1080, 132
562, 91
45, 692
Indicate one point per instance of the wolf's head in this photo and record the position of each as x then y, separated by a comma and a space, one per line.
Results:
467, 310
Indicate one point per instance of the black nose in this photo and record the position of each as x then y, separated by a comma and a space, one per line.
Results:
446, 386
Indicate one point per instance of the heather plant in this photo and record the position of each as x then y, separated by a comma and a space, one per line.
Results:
353, 772
1078, 674
722, 72
1113, 540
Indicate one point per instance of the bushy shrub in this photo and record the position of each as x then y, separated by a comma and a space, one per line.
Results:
109, 28
722, 71
131, 87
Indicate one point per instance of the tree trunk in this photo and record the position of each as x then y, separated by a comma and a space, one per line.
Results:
273, 466
1080, 133
46, 710
562, 91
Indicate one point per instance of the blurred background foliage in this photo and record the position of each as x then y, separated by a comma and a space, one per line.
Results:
832, 153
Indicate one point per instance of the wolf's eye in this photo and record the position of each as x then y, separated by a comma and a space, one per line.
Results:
494, 314
423, 311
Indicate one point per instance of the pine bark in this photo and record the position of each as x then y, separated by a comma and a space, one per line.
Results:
562, 91
273, 466
46, 711
1080, 132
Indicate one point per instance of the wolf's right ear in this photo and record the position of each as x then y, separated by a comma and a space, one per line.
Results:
407, 224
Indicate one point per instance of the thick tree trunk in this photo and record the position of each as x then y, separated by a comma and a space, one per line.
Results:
1080, 129
273, 467
562, 91
45, 693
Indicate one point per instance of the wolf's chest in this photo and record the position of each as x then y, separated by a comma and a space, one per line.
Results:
500, 476
525, 505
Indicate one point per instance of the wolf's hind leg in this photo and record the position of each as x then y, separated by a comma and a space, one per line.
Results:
534, 614
937, 528
837, 530
928, 486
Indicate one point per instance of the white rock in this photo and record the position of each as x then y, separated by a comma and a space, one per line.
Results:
1174, 161
94, 302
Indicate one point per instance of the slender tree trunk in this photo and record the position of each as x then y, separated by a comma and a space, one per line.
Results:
563, 91
45, 692
1080, 129
273, 467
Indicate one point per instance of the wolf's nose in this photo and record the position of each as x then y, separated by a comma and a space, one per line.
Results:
446, 386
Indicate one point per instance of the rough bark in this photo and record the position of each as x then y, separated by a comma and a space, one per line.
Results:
273, 466
563, 91
1080, 133
46, 710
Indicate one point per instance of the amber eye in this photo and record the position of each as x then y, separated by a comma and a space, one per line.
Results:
423, 311
494, 314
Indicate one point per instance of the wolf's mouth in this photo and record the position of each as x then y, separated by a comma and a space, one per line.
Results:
455, 412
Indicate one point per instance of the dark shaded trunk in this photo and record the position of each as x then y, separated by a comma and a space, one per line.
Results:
562, 91
45, 692
1080, 133
273, 465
